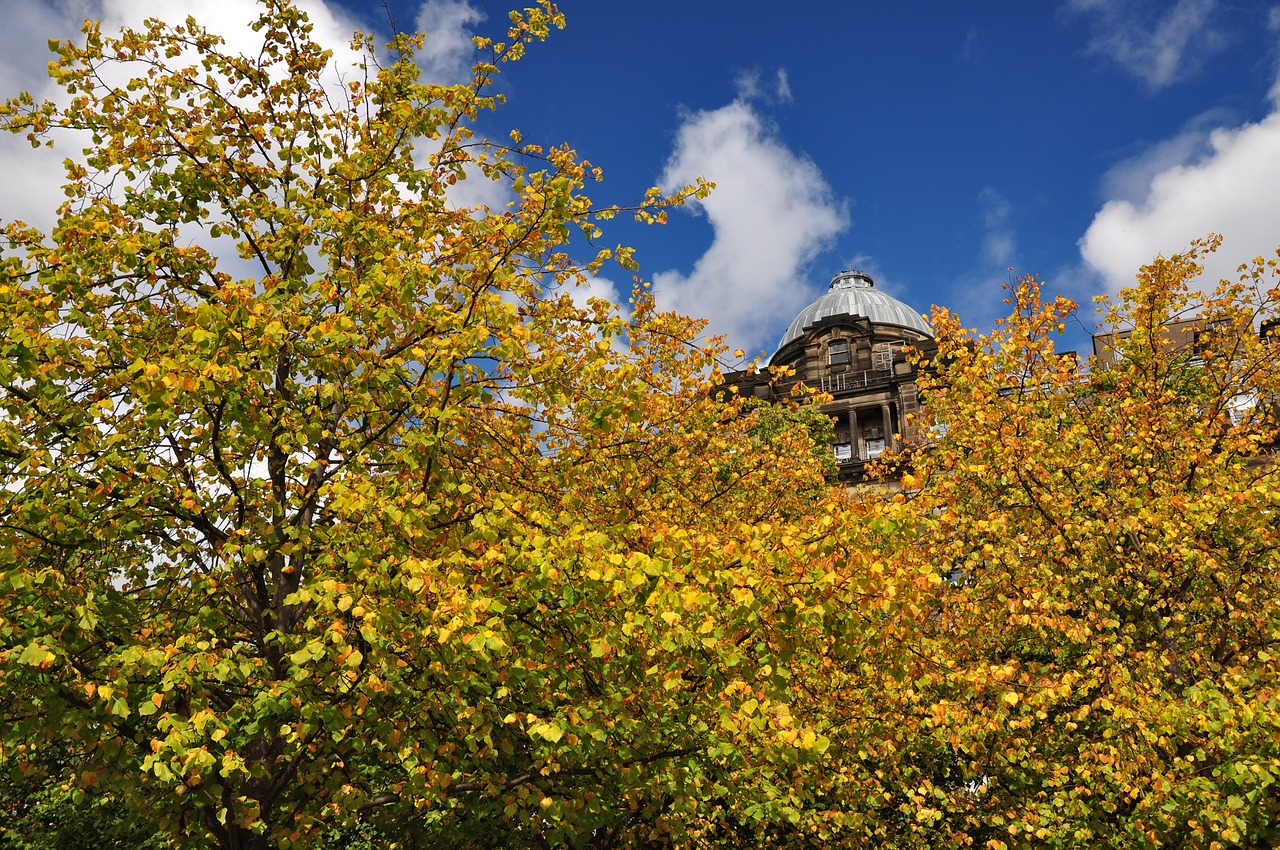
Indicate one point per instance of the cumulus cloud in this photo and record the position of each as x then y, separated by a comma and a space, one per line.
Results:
23, 39
594, 287
32, 189
1131, 178
1216, 175
447, 58
228, 18
1273, 23
772, 213
1228, 186
1156, 41
449, 53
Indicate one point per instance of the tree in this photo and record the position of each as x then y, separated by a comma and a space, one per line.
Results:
1094, 653
329, 517
327, 513
38, 813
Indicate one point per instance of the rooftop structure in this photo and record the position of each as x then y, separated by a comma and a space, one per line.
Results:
853, 293
852, 342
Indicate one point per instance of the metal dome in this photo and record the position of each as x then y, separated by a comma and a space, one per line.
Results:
852, 293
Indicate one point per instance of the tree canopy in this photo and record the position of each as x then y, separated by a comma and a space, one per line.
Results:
325, 505
330, 515
1100, 669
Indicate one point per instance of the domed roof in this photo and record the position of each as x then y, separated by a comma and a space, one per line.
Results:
852, 293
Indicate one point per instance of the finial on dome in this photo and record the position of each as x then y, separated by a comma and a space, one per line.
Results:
851, 279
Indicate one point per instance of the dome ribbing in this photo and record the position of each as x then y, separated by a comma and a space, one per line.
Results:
852, 293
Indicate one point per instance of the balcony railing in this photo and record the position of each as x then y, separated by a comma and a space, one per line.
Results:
853, 380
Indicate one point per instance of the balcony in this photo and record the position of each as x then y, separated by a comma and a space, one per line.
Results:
856, 380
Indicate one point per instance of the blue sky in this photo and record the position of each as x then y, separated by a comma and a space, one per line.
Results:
935, 145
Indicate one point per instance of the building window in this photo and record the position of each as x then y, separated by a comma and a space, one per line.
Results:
844, 452
875, 448
882, 357
838, 353
1239, 407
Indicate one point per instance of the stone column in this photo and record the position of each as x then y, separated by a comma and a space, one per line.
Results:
889, 441
855, 433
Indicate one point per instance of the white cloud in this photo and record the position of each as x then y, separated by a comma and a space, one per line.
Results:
1273, 24
1217, 175
447, 57
782, 87
977, 293
771, 212
594, 287
230, 19
449, 53
1130, 179
476, 191
998, 241
751, 86
24, 38
32, 189
1228, 188
974, 47
1157, 42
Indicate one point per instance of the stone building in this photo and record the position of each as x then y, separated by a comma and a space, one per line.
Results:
1177, 336
852, 343
1184, 336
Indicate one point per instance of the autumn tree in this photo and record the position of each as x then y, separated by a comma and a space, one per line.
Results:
329, 516
326, 512
1093, 664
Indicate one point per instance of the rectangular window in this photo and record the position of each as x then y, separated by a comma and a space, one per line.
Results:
844, 453
875, 448
1239, 406
838, 353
